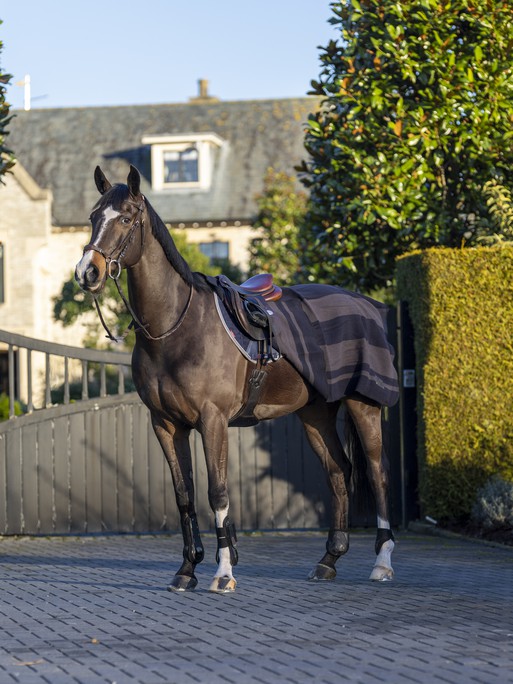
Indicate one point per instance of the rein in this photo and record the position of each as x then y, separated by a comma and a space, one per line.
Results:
115, 275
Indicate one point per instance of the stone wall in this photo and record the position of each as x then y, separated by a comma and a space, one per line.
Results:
37, 260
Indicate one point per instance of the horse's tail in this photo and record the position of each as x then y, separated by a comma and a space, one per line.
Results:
361, 495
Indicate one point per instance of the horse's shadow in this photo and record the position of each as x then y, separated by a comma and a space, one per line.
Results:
300, 494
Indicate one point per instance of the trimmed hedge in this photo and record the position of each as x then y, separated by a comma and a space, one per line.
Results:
461, 306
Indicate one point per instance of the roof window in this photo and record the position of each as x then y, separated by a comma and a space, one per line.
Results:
182, 162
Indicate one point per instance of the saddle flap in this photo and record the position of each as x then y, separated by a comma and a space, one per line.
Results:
237, 305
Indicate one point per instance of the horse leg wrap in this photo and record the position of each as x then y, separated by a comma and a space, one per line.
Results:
338, 543
193, 548
382, 536
227, 539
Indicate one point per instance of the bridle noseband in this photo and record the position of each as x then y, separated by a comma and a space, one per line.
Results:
115, 275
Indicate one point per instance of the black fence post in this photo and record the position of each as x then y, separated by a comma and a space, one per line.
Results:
408, 416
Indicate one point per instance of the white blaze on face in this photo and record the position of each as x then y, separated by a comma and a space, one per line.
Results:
108, 215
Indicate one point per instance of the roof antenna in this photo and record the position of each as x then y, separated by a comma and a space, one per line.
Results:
26, 92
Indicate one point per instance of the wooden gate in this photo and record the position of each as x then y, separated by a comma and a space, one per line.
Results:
95, 465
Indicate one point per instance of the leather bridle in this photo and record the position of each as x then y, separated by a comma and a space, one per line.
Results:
115, 275
123, 247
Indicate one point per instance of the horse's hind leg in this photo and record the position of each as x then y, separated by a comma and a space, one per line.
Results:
367, 420
175, 444
320, 423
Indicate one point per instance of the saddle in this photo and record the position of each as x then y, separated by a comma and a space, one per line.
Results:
262, 284
247, 302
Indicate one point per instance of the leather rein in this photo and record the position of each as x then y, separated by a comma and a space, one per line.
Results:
114, 269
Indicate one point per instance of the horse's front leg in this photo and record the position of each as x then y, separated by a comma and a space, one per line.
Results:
174, 440
214, 432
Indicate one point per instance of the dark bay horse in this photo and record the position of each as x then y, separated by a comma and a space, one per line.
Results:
190, 375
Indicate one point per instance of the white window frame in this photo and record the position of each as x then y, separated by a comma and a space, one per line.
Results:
204, 143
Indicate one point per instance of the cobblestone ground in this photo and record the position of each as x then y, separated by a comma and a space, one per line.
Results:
93, 610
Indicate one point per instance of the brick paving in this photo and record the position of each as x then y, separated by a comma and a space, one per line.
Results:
92, 610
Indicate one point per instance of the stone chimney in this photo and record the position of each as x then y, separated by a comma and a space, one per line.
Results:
203, 96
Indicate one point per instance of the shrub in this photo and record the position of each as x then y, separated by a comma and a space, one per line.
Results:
493, 509
461, 306
4, 407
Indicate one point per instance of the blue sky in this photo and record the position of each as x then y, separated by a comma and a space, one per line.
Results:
119, 52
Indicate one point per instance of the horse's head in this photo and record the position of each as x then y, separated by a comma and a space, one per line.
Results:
117, 232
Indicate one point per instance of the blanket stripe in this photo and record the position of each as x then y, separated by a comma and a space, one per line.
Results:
337, 340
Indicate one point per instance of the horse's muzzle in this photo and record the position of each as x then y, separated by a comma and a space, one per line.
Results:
88, 275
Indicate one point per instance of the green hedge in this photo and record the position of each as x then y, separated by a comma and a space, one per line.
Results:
461, 306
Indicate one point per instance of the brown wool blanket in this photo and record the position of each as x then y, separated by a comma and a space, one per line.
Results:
337, 340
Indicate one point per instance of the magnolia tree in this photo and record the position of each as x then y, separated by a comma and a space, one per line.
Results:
417, 118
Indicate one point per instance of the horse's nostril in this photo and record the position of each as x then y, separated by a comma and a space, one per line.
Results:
87, 277
91, 275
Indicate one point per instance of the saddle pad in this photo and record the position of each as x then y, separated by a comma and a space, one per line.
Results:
247, 346
337, 340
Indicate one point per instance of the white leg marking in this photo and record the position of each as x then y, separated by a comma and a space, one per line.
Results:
224, 569
82, 266
383, 524
224, 582
382, 570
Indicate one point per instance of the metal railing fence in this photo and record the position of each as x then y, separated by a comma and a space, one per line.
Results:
83, 358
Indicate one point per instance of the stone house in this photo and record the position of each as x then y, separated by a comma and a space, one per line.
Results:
202, 165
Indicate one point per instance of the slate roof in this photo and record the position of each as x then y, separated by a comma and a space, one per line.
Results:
61, 147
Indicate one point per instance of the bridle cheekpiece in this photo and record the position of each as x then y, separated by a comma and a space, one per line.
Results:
115, 275
109, 261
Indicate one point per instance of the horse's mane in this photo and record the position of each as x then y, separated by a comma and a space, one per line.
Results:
161, 233
120, 193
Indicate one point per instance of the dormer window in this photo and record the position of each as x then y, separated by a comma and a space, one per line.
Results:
181, 166
182, 161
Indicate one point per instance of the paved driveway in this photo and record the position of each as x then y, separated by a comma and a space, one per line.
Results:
93, 610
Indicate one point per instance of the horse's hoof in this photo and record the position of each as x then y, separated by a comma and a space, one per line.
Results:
322, 572
223, 585
183, 583
381, 574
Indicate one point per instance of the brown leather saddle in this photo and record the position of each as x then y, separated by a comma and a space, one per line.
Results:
247, 302
263, 285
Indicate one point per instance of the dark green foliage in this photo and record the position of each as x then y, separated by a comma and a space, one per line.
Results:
73, 303
281, 210
461, 305
6, 156
417, 117
4, 407
500, 204
225, 266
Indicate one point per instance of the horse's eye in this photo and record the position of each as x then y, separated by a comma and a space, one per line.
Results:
125, 220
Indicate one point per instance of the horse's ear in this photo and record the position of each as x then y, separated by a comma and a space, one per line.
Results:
134, 182
101, 181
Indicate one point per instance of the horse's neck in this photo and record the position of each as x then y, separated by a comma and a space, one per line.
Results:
158, 294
